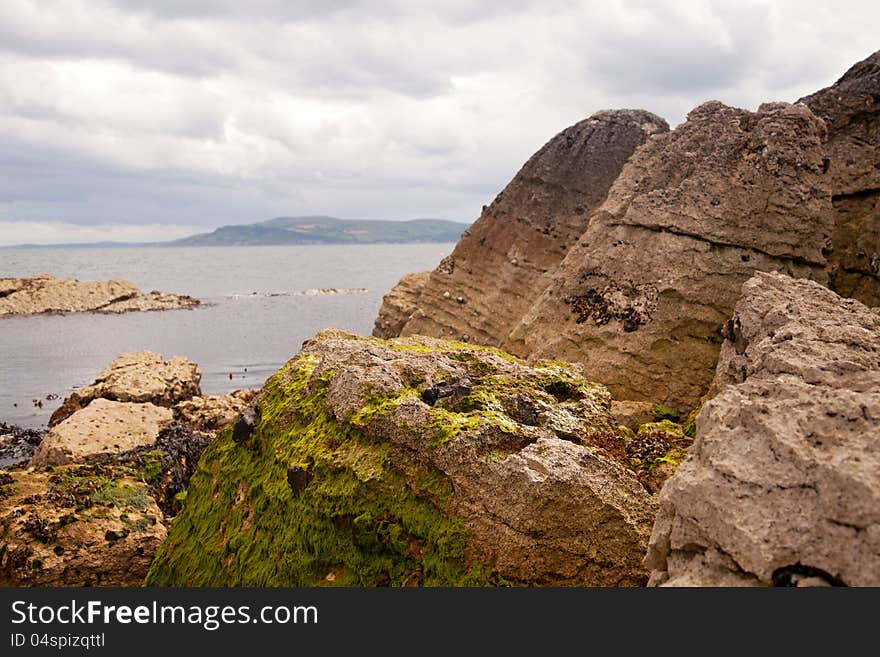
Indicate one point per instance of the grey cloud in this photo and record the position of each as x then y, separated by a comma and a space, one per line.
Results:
210, 112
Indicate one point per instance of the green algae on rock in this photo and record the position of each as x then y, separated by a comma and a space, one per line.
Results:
413, 462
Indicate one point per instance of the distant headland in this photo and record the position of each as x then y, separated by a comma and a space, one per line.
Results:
304, 230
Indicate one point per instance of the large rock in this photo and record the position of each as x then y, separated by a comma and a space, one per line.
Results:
782, 485
102, 427
46, 294
137, 377
851, 110
482, 289
414, 461
641, 298
77, 526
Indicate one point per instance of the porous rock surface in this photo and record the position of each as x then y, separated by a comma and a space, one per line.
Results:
137, 377
102, 427
413, 461
657, 266
782, 485
641, 298
213, 412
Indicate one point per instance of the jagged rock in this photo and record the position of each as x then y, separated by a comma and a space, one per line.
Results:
851, 110
482, 289
641, 298
350, 477
46, 294
137, 377
213, 412
782, 485
77, 526
102, 427
399, 305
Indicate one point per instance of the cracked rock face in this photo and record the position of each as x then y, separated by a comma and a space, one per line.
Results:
47, 294
640, 299
851, 110
414, 462
782, 485
480, 291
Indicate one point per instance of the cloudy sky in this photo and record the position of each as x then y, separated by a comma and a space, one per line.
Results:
128, 120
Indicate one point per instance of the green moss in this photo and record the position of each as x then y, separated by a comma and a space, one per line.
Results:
379, 405
690, 424
662, 412
661, 426
673, 457
448, 346
97, 490
363, 519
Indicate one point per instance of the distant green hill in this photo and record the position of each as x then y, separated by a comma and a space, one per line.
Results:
327, 230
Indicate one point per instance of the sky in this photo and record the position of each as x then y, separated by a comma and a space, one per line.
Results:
140, 121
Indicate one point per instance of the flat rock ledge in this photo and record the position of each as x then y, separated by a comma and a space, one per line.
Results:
45, 294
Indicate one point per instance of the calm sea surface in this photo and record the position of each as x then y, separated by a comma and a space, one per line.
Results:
234, 331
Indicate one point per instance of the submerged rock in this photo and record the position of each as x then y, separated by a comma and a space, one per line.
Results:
349, 476
47, 294
137, 377
782, 485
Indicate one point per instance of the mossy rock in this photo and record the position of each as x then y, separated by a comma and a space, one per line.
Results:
413, 462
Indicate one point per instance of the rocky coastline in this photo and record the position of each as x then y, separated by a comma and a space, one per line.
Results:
45, 294
653, 360
87, 502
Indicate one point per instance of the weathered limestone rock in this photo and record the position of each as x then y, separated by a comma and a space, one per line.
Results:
137, 377
46, 294
213, 412
413, 461
641, 298
480, 291
782, 485
102, 427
